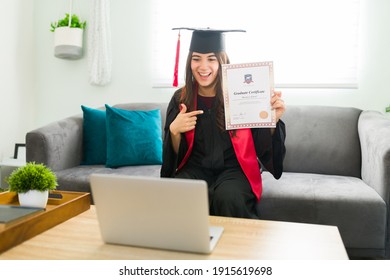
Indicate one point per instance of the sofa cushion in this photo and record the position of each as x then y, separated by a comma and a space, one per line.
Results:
133, 137
77, 178
94, 136
322, 140
146, 107
346, 202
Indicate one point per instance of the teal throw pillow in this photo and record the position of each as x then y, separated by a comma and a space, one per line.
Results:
133, 137
94, 136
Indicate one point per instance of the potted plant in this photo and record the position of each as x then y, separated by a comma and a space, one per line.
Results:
32, 182
68, 37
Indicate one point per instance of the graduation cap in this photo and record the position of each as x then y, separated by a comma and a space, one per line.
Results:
207, 40
204, 40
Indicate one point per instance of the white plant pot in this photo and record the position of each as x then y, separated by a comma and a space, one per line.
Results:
68, 43
33, 198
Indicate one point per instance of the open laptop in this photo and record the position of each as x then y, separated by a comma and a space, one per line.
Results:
163, 213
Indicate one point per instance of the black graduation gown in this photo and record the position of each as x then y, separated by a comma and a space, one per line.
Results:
216, 153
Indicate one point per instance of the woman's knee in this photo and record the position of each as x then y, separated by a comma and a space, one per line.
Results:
233, 200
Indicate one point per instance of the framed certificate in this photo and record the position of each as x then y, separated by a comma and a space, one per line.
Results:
247, 91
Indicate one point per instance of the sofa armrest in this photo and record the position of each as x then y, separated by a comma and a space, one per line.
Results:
57, 145
374, 133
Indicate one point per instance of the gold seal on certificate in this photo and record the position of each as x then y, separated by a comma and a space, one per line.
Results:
247, 91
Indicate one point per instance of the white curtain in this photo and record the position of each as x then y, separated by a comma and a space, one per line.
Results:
99, 43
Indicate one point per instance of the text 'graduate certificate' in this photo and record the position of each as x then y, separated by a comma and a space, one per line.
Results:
247, 90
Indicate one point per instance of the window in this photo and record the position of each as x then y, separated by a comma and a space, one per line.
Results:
313, 43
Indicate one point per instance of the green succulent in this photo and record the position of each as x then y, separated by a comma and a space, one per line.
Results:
388, 109
76, 23
32, 176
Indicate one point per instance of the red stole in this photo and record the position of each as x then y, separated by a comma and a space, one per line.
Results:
246, 154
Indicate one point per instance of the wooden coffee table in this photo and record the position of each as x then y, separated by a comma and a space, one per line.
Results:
79, 238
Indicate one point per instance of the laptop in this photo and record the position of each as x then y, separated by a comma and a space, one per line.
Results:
162, 213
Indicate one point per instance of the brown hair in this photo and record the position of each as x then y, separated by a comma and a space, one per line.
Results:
188, 94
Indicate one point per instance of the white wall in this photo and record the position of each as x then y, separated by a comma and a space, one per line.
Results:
16, 73
62, 85
56, 88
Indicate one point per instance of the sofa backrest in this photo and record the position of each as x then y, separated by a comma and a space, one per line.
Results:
322, 139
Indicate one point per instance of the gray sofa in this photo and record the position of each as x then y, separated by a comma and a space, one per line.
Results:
336, 170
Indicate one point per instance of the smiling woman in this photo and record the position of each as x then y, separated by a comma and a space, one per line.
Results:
305, 39
197, 144
205, 70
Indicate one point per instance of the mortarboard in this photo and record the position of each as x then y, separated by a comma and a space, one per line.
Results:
204, 40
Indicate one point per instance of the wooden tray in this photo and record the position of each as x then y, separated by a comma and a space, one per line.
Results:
57, 211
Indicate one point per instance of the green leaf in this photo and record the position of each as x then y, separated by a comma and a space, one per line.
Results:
32, 176
76, 23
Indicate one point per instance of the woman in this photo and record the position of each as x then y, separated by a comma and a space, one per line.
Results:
197, 145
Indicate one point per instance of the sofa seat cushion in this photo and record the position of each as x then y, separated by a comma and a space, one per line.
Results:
346, 202
77, 178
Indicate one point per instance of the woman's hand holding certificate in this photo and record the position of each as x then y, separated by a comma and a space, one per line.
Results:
278, 105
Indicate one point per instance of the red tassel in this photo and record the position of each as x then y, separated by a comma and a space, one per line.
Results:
175, 73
